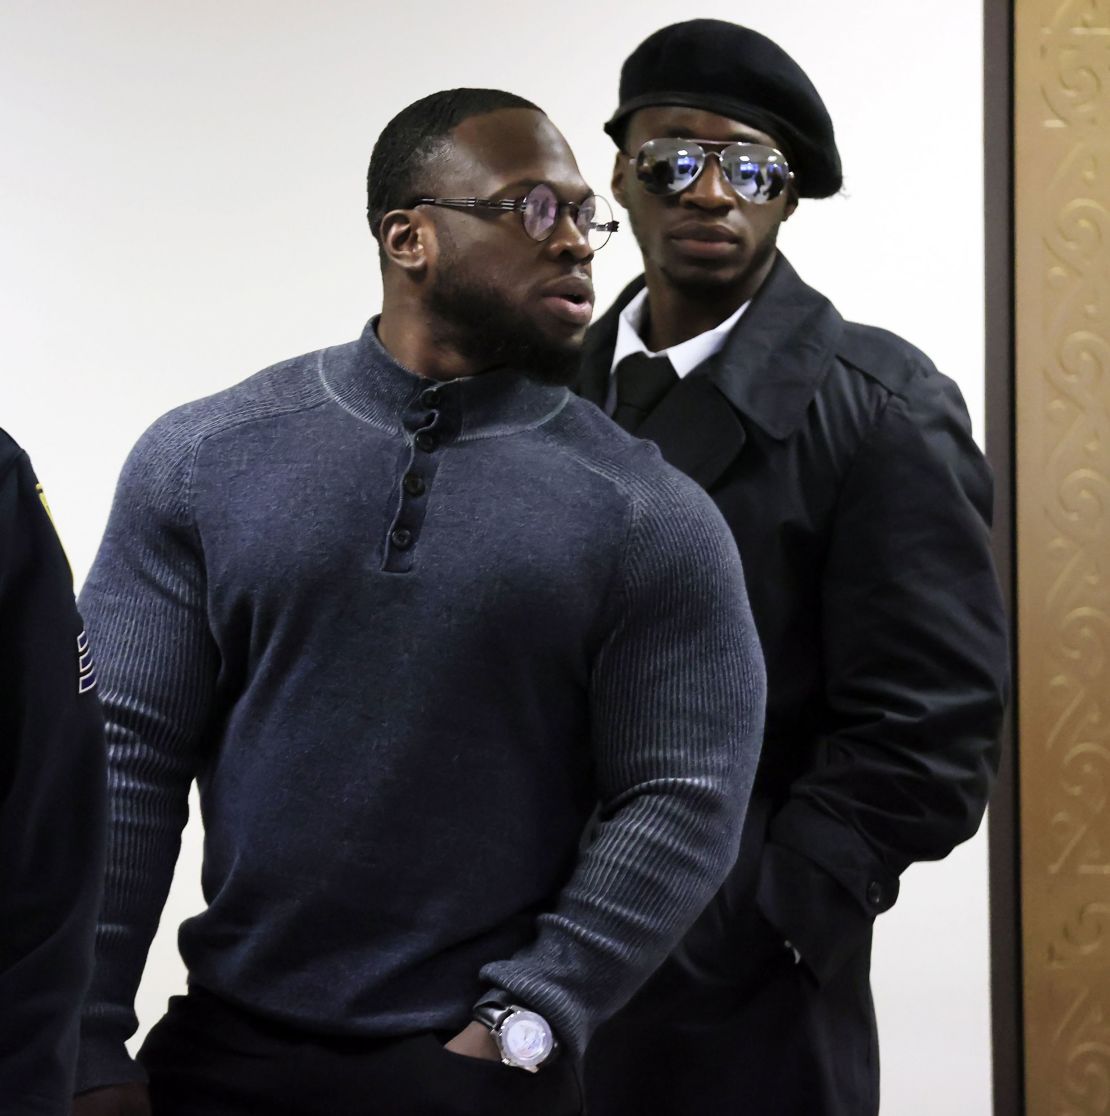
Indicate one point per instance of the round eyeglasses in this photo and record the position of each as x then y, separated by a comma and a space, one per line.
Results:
540, 210
756, 172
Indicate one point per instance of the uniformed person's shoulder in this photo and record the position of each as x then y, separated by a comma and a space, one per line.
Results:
12, 457
10, 452
23, 505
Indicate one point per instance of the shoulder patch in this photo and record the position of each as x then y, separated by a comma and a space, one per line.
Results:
86, 668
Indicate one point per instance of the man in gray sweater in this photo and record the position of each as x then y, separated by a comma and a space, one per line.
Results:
408, 611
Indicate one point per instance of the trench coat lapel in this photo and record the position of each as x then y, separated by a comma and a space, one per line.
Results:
695, 429
693, 425
779, 354
768, 372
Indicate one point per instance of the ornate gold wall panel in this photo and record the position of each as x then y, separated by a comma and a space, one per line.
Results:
1062, 260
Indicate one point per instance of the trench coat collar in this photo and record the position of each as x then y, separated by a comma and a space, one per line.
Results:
769, 369
776, 359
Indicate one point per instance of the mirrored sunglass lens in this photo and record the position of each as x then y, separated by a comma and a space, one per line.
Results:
598, 228
541, 211
757, 173
668, 166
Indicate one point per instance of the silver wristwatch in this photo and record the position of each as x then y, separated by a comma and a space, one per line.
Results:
524, 1038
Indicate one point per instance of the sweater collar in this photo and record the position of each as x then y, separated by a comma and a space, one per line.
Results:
366, 381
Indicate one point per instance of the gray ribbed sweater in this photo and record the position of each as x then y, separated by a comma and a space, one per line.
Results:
405, 636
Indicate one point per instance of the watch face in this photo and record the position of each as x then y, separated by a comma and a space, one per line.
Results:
526, 1038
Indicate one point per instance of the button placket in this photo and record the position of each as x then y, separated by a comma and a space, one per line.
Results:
429, 428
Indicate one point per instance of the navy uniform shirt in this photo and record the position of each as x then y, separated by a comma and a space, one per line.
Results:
52, 801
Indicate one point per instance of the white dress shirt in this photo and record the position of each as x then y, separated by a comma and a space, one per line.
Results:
684, 357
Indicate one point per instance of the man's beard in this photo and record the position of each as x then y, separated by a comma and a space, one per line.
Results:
481, 327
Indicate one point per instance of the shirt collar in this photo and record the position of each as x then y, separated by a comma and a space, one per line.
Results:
684, 357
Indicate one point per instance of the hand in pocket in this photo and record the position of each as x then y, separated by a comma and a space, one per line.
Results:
474, 1041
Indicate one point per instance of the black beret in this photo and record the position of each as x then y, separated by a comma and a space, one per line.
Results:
738, 73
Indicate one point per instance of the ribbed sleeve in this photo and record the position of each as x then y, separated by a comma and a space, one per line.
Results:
677, 699
144, 602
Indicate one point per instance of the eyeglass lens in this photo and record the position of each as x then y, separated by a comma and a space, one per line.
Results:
541, 211
668, 166
598, 226
542, 208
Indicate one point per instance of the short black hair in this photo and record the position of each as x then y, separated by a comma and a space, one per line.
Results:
415, 137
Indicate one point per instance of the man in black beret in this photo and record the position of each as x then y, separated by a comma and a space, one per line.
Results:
844, 463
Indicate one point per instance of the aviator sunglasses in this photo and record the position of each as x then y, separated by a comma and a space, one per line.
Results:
540, 210
756, 172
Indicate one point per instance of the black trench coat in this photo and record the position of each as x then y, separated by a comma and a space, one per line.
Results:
844, 463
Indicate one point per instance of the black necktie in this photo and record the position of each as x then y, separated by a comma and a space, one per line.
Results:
642, 381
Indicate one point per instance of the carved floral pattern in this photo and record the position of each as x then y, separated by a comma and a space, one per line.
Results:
1062, 93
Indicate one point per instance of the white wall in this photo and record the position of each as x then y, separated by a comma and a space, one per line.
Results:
181, 196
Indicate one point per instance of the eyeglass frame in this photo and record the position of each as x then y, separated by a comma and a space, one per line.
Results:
517, 205
711, 147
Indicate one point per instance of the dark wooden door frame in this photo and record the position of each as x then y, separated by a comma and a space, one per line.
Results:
1004, 829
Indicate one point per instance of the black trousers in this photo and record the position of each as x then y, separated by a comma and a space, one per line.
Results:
779, 1046
208, 1058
